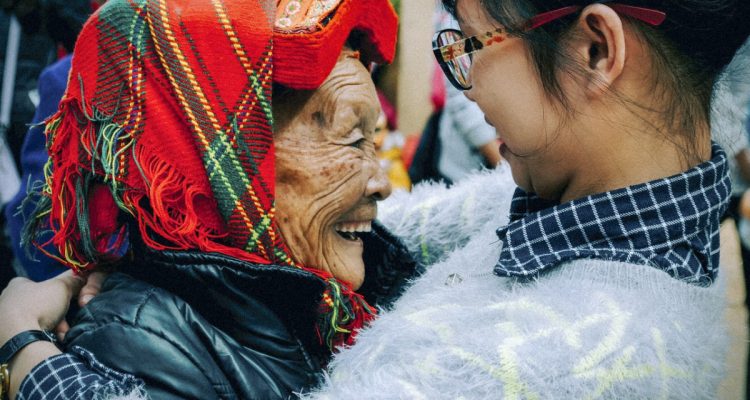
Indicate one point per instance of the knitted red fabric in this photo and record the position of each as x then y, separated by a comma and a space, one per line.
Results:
303, 60
167, 119
168, 105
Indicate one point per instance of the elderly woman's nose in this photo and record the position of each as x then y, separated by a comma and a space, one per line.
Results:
378, 186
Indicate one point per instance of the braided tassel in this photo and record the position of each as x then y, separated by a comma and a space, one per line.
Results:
342, 313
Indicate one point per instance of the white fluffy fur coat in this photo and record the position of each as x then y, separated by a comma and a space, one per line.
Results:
591, 329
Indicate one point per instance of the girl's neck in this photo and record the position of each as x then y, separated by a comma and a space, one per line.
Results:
621, 153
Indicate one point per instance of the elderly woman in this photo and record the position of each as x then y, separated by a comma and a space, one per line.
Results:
252, 251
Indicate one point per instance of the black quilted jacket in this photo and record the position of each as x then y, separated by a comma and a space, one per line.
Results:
206, 326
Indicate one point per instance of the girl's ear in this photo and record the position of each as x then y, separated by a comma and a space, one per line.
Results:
600, 46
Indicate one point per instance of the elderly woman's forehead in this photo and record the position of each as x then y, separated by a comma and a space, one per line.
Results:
349, 82
347, 95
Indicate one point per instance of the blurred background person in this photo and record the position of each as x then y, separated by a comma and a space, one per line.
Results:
48, 31
52, 27
469, 143
389, 145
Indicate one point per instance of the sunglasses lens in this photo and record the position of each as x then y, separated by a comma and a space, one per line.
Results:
455, 59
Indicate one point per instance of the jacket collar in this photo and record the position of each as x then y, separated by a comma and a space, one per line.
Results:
670, 223
235, 294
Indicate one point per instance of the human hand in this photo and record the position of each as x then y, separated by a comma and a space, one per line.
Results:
25, 304
91, 288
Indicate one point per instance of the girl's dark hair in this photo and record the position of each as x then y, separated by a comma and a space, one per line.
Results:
693, 45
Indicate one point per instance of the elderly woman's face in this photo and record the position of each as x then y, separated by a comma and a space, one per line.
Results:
327, 176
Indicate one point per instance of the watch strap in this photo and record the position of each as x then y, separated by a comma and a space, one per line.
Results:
21, 340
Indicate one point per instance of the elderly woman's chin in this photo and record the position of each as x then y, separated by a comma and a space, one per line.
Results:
333, 246
343, 255
336, 249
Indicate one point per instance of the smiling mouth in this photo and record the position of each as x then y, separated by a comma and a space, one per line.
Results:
351, 230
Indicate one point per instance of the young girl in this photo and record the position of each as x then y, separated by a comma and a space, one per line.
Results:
605, 273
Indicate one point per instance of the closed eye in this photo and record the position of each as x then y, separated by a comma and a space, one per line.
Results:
357, 138
359, 143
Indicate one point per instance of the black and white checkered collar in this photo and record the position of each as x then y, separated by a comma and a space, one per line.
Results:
670, 223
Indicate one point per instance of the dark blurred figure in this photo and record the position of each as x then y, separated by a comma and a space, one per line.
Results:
49, 27
60, 20
36, 266
48, 31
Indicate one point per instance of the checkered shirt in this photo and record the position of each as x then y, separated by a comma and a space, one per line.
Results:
77, 375
671, 224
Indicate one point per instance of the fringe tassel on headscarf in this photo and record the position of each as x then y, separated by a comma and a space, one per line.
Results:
66, 198
343, 312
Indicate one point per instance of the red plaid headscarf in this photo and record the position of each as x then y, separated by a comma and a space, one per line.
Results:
167, 119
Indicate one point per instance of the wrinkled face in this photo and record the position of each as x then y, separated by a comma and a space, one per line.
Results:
327, 176
507, 89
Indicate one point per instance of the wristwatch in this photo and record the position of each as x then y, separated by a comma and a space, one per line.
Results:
4, 382
11, 347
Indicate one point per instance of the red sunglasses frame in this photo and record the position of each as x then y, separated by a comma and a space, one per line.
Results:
647, 15
467, 46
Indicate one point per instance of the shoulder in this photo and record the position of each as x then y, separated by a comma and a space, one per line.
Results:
126, 300
139, 329
435, 219
647, 283
54, 78
490, 183
181, 350
134, 305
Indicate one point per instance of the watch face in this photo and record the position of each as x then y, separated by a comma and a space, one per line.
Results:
4, 381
